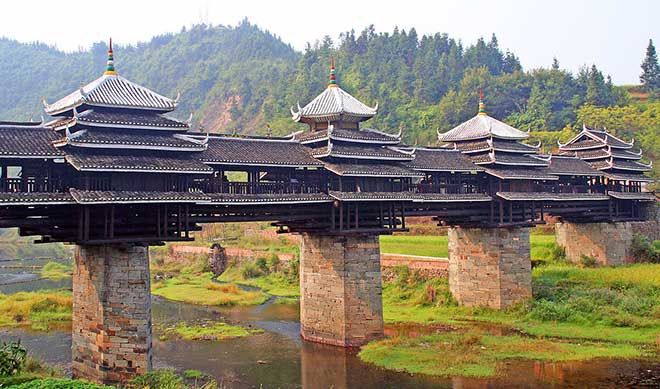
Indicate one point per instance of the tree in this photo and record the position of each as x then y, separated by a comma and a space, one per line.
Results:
650, 77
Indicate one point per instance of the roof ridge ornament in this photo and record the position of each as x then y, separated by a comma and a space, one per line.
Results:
482, 105
332, 83
110, 67
44, 102
189, 120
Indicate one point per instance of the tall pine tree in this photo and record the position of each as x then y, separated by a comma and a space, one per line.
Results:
650, 77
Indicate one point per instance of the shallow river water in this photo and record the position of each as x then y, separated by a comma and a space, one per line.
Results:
278, 358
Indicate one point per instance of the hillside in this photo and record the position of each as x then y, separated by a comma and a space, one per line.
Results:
243, 78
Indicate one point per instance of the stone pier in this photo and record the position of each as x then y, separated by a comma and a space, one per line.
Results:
490, 266
607, 243
340, 289
111, 313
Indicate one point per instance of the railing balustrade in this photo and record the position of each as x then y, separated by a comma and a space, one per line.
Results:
30, 184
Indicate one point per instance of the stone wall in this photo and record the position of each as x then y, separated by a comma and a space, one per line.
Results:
490, 266
111, 313
426, 267
607, 243
340, 289
651, 227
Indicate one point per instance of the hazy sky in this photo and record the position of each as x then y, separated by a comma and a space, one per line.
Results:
612, 34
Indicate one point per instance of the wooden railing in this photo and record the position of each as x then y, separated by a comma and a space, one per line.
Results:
441, 188
254, 187
30, 184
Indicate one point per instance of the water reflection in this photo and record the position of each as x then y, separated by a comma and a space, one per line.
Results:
279, 359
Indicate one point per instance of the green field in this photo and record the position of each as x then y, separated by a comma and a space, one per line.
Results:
436, 246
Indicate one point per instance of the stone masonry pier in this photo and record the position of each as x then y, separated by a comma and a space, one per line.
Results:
340, 289
490, 266
607, 243
111, 313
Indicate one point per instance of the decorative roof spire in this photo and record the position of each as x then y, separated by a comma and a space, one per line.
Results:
110, 69
482, 105
333, 77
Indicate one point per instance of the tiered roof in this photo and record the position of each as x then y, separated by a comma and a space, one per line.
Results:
343, 147
27, 140
607, 153
497, 147
115, 125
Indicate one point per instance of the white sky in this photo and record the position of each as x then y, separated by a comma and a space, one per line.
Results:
613, 34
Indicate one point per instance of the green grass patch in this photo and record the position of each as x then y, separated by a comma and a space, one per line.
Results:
42, 310
477, 355
275, 283
56, 270
210, 331
59, 383
287, 300
619, 304
199, 289
437, 246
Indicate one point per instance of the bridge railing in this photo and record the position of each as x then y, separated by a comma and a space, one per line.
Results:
441, 188
30, 184
255, 187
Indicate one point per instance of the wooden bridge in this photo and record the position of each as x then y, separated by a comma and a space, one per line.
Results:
113, 174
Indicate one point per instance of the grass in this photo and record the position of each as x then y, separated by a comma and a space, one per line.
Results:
199, 289
619, 304
210, 331
436, 246
56, 270
42, 310
276, 283
474, 354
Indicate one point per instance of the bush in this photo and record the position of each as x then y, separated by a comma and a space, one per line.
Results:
262, 264
274, 263
643, 250
587, 261
558, 253
250, 270
158, 379
293, 270
12, 358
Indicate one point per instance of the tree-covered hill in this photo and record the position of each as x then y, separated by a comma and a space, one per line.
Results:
243, 78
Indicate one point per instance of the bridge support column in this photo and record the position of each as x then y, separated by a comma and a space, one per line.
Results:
340, 289
111, 313
607, 243
490, 266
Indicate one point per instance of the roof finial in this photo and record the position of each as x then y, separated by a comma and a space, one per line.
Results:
110, 69
482, 105
333, 77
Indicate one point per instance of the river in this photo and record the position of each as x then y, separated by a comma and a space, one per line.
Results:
278, 358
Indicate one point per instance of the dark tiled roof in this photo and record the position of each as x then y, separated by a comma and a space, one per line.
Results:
546, 196
134, 139
122, 161
497, 144
572, 166
364, 135
112, 91
135, 197
332, 104
502, 158
482, 126
604, 153
256, 152
27, 142
610, 139
409, 196
521, 173
223, 198
20, 198
98, 117
642, 196
583, 144
394, 169
442, 160
625, 154
620, 164
618, 176
361, 152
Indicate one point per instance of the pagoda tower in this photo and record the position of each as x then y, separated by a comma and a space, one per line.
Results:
610, 155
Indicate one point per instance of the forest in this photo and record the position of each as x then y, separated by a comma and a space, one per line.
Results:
242, 79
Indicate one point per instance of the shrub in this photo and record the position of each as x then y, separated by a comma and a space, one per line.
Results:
12, 358
193, 374
274, 263
643, 250
293, 269
250, 270
59, 383
587, 261
262, 264
158, 379
558, 253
